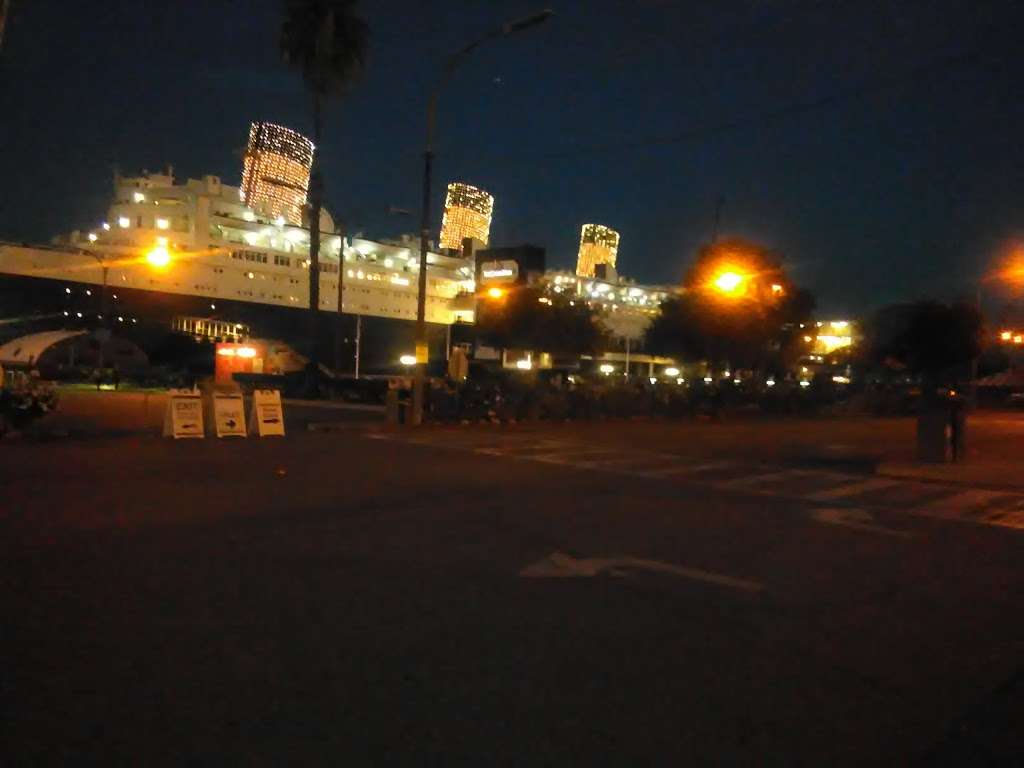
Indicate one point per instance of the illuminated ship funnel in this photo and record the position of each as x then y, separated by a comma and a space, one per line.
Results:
467, 213
598, 245
275, 171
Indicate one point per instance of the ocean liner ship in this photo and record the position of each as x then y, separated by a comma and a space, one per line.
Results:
231, 256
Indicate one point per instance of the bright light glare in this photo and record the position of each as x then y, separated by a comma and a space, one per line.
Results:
727, 282
158, 257
407, 359
495, 293
671, 372
770, 382
841, 379
1006, 335
122, 222
524, 365
162, 224
92, 237
246, 352
138, 197
606, 368
805, 383
653, 379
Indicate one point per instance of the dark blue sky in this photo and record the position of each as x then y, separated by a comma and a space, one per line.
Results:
876, 144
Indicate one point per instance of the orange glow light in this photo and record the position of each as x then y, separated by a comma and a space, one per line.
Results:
1006, 335
728, 282
495, 293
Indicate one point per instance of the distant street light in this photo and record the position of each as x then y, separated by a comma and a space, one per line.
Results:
495, 293
508, 28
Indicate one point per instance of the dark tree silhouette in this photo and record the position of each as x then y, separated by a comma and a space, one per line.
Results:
755, 326
521, 320
932, 340
326, 41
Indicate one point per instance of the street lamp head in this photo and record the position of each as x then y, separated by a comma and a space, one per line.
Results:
728, 282
511, 27
495, 293
158, 257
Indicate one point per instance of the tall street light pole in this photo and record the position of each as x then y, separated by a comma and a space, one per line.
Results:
103, 297
508, 28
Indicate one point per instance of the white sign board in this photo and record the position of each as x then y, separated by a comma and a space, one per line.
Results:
499, 271
183, 416
267, 416
229, 415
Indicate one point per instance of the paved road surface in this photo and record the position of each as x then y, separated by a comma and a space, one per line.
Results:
495, 596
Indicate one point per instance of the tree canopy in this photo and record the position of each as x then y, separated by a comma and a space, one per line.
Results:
926, 337
528, 318
326, 41
738, 308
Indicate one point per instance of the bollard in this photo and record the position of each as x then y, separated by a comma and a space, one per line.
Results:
958, 430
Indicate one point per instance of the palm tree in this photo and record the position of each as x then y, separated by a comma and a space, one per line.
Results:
326, 41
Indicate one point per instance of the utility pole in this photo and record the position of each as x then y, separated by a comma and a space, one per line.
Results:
359, 338
508, 28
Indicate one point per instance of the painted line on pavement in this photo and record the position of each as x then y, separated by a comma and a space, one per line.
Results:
853, 489
857, 520
560, 565
771, 477
709, 466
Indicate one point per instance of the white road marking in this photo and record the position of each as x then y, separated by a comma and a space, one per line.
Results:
559, 565
522, 450
960, 505
1005, 518
852, 489
683, 468
770, 477
856, 519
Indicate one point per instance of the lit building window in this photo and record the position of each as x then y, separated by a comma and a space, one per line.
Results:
162, 224
123, 222
467, 213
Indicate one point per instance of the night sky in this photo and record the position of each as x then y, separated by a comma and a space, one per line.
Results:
876, 144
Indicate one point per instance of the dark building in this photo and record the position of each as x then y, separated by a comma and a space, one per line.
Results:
511, 264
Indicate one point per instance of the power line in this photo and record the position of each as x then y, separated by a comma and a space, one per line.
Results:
793, 109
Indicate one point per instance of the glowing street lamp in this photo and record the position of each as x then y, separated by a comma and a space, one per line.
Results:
158, 257
495, 293
407, 360
728, 282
